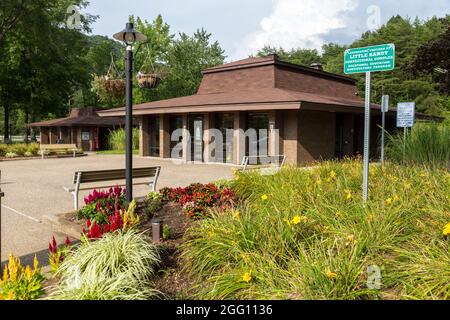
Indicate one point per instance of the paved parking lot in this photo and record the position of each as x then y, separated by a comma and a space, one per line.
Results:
34, 189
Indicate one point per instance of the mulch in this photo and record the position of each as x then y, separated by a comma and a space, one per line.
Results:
170, 279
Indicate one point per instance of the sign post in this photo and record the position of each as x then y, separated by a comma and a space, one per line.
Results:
405, 119
367, 60
384, 109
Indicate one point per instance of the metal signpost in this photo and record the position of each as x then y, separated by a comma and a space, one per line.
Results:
367, 60
405, 118
384, 109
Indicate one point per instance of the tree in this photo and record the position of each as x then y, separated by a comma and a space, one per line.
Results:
186, 58
433, 58
41, 40
297, 56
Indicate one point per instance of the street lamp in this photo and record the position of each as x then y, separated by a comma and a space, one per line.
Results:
129, 36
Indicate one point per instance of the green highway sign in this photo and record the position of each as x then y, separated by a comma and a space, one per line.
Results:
369, 59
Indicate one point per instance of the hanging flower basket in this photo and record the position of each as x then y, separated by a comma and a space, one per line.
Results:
148, 80
115, 87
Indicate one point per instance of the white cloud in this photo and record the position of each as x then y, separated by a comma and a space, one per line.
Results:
297, 23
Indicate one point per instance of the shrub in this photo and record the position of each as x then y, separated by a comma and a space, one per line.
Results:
117, 138
120, 220
100, 205
11, 155
33, 149
116, 267
306, 234
18, 148
426, 144
57, 254
153, 203
197, 199
3, 149
21, 283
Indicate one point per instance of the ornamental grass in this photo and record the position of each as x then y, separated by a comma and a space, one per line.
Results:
306, 234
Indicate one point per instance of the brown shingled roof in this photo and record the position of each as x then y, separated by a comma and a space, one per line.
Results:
233, 100
81, 117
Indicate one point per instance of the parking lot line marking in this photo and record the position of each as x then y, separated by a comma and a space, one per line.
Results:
21, 214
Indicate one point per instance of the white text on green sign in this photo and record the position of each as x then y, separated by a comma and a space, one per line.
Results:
369, 59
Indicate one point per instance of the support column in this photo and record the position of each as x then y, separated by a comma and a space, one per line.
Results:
208, 126
44, 135
291, 146
239, 137
275, 131
53, 135
144, 136
186, 142
164, 136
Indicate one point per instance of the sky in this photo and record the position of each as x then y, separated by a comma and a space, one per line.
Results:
242, 27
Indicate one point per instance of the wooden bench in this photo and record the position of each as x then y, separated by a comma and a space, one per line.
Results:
90, 177
56, 148
265, 164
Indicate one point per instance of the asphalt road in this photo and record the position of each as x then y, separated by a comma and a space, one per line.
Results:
34, 189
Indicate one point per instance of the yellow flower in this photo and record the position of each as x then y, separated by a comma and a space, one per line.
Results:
388, 200
233, 243
264, 197
332, 174
446, 230
331, 275
5, 274
247, 277
35, 263
296, 220
396, 198
349, 196
28, 273
236, 215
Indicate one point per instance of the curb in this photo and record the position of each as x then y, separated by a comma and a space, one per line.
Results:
60, 223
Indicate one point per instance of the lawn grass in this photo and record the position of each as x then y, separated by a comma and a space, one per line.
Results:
306, 234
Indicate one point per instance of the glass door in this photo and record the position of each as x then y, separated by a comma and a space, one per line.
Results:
196, 132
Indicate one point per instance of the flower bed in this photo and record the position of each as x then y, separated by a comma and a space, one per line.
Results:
197, 199
306, 234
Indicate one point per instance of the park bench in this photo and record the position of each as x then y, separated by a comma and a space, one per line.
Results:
266, 165
82, 178
58, 148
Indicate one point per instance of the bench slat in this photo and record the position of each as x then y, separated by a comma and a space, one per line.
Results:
57, 146
115, 174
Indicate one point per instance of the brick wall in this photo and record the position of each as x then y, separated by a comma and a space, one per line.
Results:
316, 135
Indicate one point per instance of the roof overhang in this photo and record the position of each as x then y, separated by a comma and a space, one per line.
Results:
205, 108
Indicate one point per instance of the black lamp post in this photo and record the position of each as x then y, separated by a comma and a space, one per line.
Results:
129, 36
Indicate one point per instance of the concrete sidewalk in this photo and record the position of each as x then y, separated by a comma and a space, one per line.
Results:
34, 189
